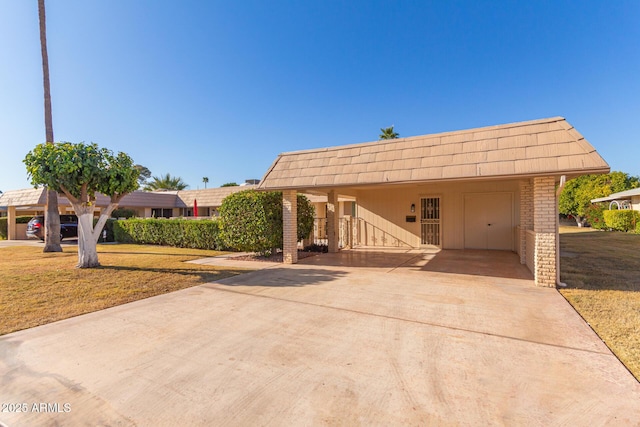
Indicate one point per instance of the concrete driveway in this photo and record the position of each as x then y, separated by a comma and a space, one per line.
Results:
357, 338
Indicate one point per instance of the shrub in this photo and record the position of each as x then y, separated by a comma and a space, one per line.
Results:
306, 214
622, 220
317, 248
196, 234
252, 220
123, 213
595, 216
108, 226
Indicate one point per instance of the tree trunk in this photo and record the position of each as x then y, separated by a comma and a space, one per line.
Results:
52, 218
580, 220
52, 224
88, 235
87, 245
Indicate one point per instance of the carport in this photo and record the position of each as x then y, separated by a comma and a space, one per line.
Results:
491, 188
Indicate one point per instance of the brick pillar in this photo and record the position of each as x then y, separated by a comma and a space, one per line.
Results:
526, 217
544, 224
289, 227
333, 225
11, 223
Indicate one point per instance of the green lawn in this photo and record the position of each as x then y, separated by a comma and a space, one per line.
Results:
38, 288
602, 273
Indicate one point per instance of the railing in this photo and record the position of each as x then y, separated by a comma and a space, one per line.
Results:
354, 231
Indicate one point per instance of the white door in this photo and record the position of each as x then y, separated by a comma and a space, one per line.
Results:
430, 221
488, 221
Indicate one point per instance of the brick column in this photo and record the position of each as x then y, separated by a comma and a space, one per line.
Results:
526, 217
289, 227
333, 225
11, 223
544, 224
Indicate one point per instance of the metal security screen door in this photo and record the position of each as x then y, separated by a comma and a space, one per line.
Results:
430, 221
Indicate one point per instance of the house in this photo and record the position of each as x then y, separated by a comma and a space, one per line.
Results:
489, 188
629, 199
146, 204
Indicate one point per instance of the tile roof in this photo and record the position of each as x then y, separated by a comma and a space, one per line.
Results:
25, 197
37, 196
208, 197
540, 147
619, 196
211, 197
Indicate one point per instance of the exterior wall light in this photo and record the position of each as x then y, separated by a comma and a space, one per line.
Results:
413, 207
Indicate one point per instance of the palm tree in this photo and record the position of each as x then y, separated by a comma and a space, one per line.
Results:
52, 219
388, 133
205, 179
166, 182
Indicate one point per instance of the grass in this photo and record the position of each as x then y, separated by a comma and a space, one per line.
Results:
602, 273
601, 269
38, 288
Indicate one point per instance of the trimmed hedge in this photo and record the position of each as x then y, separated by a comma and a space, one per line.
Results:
252, 220
182, 233
109, 227
4, 228
622, 220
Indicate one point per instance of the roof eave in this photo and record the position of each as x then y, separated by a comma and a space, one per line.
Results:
568, 173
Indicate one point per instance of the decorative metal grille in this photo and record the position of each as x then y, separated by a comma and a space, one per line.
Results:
430, 221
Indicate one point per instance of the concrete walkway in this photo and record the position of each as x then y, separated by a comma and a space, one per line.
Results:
334, 340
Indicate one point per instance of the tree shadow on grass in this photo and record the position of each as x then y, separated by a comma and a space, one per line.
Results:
203, 275
159, 253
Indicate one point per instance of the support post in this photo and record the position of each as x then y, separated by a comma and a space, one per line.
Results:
544, 224
11, 223
333, 225
290, 227
526, 217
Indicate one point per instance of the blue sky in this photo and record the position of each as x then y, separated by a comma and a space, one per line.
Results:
220, 88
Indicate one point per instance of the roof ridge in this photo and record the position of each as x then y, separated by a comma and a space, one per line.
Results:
429, 135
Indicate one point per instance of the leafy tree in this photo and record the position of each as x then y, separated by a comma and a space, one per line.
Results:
79, 171
205, 179
229, 184
577, 194
143, 175
388, 133
166, 182
52, 218
252, 220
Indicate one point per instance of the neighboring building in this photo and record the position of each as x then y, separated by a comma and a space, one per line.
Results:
486, 188
629, 199
491, 188
146, 204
